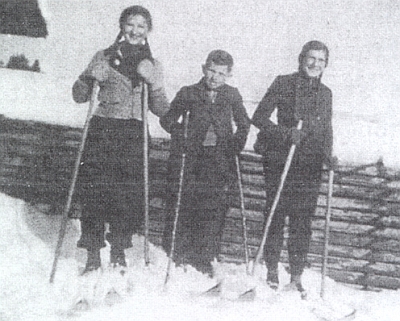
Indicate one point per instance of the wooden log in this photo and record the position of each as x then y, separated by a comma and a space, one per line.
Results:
390, 221
337, 238
345, 203
386, 257
388, 233
343, 227
380, 281
386, 245
385, 269
351, 216
344, 264
348, 277
341, 251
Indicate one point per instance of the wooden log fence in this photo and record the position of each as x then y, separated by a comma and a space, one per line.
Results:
36, 165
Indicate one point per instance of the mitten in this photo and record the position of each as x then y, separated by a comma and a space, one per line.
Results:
236, 145
331, 162
98, 70
151, 73
295, 136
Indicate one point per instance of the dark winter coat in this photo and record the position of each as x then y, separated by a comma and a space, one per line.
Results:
209, 170
296, 97
227, 108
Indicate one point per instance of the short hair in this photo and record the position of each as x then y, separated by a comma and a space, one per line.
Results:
221, 58
314, 45
136, 10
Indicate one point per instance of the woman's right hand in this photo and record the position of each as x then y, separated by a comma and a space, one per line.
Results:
99, 71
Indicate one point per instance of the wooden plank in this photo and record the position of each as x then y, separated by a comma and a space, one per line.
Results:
345, 264
380, 281
386, 257
351, 216
388, 233
341, 251
343, 227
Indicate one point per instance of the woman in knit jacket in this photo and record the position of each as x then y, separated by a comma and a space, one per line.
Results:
110, 183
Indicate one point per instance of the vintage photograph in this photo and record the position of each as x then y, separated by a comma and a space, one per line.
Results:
199, 160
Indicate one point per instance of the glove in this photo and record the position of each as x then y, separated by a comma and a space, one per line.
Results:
295, 136
151, 73
178, 138
98, 71
331, 162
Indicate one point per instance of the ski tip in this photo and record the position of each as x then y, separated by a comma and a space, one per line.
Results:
249, 295
214, 291
350, 316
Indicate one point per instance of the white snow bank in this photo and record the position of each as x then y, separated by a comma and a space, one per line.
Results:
26, 251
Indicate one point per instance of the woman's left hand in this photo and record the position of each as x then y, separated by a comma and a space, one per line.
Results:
146, 70
151, 73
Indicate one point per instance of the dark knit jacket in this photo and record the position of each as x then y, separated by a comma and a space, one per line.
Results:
227, 108
296, 97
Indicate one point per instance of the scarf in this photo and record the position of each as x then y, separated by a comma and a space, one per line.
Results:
125, 58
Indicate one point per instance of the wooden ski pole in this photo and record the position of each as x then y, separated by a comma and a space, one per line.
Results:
178, 201
71, 191
243, 213
327, 223
145, 107
275, 203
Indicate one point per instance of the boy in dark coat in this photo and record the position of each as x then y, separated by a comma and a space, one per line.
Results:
298, 96
211, 146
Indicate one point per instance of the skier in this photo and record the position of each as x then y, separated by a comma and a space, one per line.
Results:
110, 184
210, 151
298, 96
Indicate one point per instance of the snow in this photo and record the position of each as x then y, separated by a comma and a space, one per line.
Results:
27, 244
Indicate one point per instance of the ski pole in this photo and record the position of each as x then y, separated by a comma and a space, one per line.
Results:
242, 207
71, 191
145, 107
179, 196
276, 200
327, 221
243, 213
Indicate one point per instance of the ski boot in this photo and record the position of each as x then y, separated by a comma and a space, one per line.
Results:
117, 259
295, 284
93, 261
273, 279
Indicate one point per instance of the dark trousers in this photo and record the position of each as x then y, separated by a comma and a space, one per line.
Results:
298, 202
202, 211
110, 183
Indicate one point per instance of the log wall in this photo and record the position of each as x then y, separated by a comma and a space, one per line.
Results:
37, 159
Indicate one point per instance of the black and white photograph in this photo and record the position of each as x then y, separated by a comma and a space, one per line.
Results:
199, 160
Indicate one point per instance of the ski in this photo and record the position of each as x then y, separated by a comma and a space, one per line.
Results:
332, 315
213, 291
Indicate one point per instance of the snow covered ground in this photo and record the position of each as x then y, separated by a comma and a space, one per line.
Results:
27, 243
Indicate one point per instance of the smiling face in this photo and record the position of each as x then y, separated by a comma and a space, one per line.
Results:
314, 63
215, 75
135, 30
